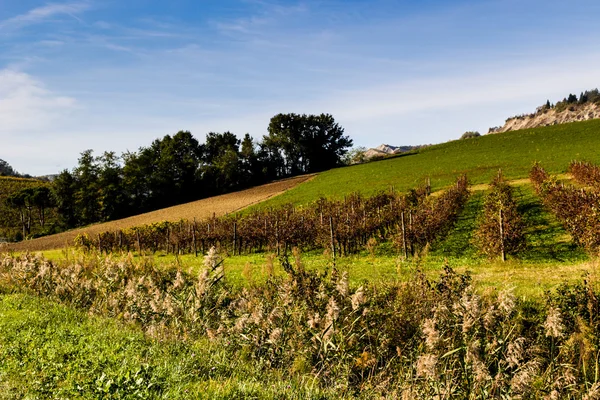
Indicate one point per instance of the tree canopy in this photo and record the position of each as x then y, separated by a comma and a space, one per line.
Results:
6, 169
305, 143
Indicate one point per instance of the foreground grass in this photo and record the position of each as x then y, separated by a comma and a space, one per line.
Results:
49, 350
303, 336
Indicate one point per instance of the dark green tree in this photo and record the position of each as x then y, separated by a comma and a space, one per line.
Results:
42, 199
6, 169
87, 189
250, 166
113, 201
305, 143
20, 202
221, 163
64, 187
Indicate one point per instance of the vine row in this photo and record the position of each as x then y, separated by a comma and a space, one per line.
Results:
412, 220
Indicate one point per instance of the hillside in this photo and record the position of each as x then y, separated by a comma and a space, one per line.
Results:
201, 209
569, 109
480, 158
547, 117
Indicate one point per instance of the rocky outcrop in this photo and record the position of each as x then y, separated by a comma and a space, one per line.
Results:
385, 150
545, 117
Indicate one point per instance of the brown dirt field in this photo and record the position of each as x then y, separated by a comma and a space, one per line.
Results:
201, 209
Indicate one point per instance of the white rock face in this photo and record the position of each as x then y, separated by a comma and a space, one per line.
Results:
387, 150
550, 117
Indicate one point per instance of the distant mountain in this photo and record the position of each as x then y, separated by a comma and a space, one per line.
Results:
386, 150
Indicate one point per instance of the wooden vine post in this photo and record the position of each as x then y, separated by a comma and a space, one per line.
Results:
277, 235
501, 222
194, 245
404, 236
234, 237
168, 238
139, 245
332, 238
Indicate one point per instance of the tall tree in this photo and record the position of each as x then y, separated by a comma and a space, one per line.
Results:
87, 189
221, 169
64, 187
42, 199
306, 143
250, 166
21, 201
165, 173
6, 169
113, 201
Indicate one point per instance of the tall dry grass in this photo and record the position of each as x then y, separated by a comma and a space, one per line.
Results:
424, 338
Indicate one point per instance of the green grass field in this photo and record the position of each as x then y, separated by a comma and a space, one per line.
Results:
480, 158
49, 350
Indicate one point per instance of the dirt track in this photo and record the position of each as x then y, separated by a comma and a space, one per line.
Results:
201, 209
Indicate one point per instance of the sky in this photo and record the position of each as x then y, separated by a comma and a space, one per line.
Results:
113, 75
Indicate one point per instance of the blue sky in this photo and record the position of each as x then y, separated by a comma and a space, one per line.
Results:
115, 75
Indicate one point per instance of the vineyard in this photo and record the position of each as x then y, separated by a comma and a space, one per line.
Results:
500, 230
412, 221
585, 173
576, 208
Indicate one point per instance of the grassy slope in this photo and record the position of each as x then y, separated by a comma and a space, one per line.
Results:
52, 351
479, 158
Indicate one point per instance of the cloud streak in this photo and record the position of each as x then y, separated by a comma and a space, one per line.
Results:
44, 13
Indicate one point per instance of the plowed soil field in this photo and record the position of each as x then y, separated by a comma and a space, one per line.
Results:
201, 209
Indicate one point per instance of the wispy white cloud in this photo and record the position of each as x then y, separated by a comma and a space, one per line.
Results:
267, 15
44, 13
26, 105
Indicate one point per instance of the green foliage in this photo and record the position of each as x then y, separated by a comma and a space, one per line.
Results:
305, 143
26, 207
6, 169
470, 135
53, 351
355, 155
178, 169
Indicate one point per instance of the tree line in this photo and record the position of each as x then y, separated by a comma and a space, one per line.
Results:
178, 168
